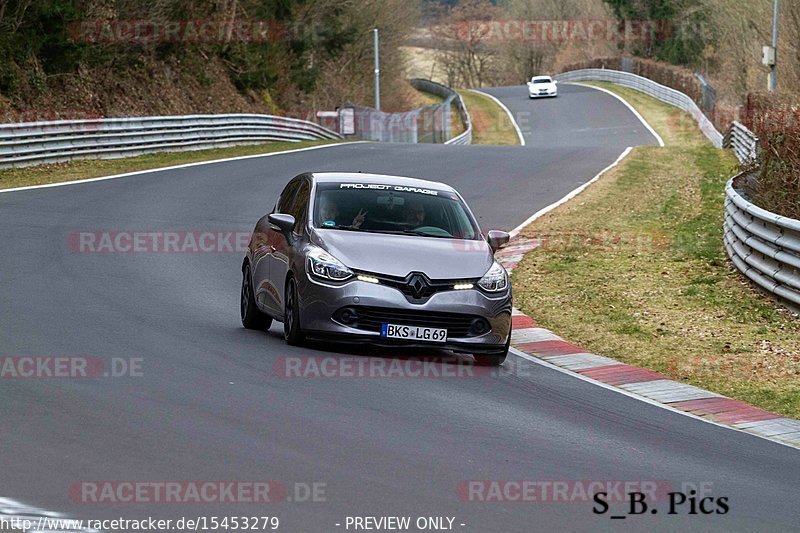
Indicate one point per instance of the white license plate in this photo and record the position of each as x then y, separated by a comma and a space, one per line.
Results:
414, 333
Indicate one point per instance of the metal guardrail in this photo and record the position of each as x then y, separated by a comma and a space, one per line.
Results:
426, 124
450, 96
764, 246
743, 142
648, 86
373, 125
34, 143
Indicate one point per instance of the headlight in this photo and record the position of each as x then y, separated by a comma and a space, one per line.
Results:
323, 265
495, 279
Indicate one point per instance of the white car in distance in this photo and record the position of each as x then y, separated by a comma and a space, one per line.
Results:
542, 87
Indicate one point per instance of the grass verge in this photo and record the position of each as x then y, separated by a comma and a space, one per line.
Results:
94, 168
634, 268
426, 98
490, 124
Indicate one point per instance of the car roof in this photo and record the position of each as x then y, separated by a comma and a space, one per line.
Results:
542, 78
382, 179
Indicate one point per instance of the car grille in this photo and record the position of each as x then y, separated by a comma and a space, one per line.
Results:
370, 319
417, 287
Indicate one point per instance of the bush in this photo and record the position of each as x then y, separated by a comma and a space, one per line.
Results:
776, 122
687, 34
34, 43
317, 45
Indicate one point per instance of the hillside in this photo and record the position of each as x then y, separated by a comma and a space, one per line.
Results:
720, 39
723, 39
84, 58
734, 63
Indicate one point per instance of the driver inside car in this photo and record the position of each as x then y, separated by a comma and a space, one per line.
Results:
415, 214
329, 212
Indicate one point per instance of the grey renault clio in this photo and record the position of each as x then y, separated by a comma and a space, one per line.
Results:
378, 259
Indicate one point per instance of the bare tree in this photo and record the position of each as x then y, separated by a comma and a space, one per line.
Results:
543, 51
467, 49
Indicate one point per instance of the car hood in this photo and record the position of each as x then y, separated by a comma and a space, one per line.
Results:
398, 255
537, 86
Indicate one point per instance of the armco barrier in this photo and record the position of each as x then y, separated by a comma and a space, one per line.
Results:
34, 143
449, 95
743, 142
764, 246
647, 86
372, 125
426, 124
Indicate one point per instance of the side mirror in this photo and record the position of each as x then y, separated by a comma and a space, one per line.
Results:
283, 223
555, 82
496, 239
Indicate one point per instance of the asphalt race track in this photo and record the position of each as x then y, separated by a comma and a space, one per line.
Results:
209, 404
559, 122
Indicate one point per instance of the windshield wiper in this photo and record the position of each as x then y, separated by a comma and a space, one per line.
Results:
423, 234
347, 228
352, 228
388, 231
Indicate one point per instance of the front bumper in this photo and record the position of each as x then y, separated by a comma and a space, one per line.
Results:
542, 95
319, 302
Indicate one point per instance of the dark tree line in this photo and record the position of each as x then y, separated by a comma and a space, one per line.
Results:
685, 28
317, 46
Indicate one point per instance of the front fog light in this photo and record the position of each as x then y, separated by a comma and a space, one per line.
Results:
347, 316
478, 327
495, 279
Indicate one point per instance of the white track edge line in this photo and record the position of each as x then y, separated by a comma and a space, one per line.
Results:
629, 106
174, 167
644, 399
514, 232
508, 112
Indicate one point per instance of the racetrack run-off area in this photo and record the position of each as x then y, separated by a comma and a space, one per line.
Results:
209, 401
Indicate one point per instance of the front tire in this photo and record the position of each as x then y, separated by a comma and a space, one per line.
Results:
291, 315
252, 318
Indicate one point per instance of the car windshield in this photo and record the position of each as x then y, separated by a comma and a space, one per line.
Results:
542, 80
394, 209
